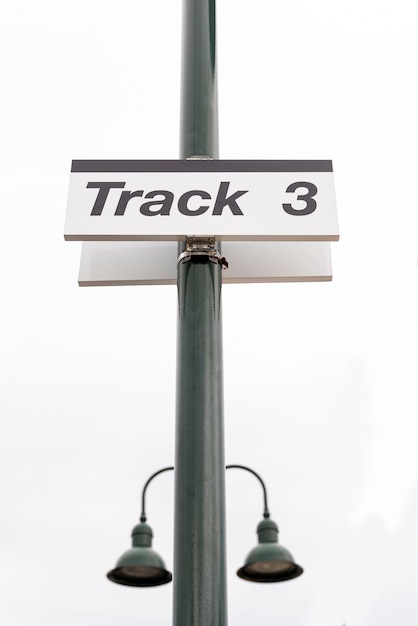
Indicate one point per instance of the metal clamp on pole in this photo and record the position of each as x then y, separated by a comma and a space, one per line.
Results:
202, 246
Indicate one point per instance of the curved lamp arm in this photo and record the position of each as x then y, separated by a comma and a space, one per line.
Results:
266, 513
164, 469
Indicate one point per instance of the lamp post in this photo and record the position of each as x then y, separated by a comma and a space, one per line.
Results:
267, 562
199, 597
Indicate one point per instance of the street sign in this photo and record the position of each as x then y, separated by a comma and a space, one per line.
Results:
107, 263
231, 200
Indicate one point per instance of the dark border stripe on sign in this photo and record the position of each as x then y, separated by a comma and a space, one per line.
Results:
200, 165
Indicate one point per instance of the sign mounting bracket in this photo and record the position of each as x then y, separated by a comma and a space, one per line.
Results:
202, 246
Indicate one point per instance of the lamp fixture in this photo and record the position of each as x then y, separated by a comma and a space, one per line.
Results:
141, 566
268, 562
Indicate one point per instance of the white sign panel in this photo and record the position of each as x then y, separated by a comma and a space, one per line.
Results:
154, 263
231, 200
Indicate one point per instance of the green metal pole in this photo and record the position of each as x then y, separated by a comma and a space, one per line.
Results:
199, 529
199, 94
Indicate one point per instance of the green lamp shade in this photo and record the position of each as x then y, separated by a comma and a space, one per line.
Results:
269, 562
140, 566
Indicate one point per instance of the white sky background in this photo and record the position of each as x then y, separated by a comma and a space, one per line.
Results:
320, 379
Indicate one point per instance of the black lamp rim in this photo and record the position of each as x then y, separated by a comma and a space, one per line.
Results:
116, 576
296, 571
